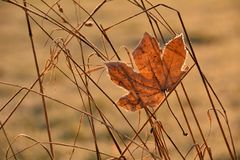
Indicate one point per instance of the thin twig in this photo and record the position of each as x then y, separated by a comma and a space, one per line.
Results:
39, 80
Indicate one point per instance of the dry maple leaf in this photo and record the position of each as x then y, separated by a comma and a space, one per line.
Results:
158, 71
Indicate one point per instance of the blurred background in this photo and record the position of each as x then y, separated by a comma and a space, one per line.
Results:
213, 27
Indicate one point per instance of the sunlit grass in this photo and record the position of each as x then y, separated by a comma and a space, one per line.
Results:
215, 44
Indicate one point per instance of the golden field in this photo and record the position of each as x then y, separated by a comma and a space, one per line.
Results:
213, 28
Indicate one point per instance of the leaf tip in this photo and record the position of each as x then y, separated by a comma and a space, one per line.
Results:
179, 36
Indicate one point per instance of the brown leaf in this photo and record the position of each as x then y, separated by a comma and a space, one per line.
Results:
158, 72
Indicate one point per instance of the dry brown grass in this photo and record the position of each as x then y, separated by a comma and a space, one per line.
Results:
83, 120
